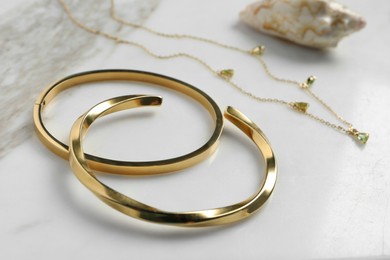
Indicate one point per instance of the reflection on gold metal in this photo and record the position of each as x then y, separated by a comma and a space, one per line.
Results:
126, 167
139, 210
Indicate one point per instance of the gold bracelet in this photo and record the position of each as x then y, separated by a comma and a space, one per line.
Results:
133, 208
126, 167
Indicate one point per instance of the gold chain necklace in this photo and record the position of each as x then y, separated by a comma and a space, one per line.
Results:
227, 74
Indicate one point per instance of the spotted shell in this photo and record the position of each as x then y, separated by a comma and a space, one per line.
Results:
313, 23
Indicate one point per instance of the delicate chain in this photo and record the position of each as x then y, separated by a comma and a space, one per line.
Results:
225, 74
272, 76
328, 124
310, 92
167, 35
171, 56
197, 38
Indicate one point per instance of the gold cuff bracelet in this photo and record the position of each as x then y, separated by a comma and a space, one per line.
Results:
125, 167
133, 208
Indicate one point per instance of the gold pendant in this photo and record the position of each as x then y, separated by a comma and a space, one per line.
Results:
258, 50
361, 137
300, 106
308, 83
226, 74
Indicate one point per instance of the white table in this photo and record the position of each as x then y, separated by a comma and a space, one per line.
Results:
332, 195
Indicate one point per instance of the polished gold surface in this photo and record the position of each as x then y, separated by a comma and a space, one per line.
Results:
126, 167
136, 209
256, 52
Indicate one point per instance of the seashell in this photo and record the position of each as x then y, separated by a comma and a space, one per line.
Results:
314, 23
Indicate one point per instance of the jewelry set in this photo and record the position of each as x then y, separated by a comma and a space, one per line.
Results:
84, 164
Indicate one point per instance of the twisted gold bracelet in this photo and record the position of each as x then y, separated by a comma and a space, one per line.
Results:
133, 208
126, 167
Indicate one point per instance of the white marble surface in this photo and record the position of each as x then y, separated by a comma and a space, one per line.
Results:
38, 43
332, 195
